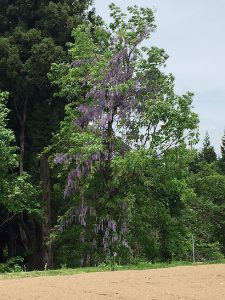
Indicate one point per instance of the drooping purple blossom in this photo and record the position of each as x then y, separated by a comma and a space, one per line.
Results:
115, 238
99, 227
124, 228
78, 62
109, 103
82, 169
82, 212
60, 159
78, 215
81, 61
95, 156
125, 244
105, 240
112, 225
84, 108
106, 95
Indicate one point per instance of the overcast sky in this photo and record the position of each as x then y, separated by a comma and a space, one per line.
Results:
192, 32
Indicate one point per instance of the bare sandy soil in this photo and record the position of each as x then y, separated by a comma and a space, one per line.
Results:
191, 282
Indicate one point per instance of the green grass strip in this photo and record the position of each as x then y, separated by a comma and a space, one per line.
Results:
138, 266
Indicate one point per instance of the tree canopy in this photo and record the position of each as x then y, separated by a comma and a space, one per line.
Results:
98, 163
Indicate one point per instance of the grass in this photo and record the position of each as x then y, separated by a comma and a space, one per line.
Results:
138, 266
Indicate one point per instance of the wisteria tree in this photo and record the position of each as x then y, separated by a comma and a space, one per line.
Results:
120, 102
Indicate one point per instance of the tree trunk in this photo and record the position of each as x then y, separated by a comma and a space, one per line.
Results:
11, 242
22, 136
2, 246
46, 198
24, 232
22, 148
35, 261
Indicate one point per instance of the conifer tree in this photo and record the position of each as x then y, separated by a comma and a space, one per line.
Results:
222, 159
33, 35
208, 153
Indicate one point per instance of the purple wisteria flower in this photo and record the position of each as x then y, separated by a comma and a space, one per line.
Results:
112, 225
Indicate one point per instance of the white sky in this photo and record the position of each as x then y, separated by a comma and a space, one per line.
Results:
192, 32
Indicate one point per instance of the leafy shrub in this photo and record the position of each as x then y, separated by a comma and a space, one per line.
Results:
14, 264
205, 251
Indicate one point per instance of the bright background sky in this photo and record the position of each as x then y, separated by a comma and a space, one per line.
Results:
192, 32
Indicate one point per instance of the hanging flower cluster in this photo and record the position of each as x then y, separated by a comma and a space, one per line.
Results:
111, 98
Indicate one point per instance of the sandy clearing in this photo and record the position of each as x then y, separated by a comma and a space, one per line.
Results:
192, 282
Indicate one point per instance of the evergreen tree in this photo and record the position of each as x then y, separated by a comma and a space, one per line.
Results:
207, 153
33, 36
222, 159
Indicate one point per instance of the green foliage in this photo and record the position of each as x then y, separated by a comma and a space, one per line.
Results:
150, 175
140, 265
221, 162
208, 153
14, 264
159, 190
33, 36
68, 248
207, 251
23, 195
8, 157
17, 192
205, 213
145, 179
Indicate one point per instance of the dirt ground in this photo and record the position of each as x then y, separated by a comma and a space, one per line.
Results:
191, 282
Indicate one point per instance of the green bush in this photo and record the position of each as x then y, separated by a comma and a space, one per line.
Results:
206, 252
14, 264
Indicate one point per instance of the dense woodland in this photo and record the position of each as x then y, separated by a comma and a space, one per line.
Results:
98, 156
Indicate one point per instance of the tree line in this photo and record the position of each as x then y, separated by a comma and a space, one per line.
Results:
97, 150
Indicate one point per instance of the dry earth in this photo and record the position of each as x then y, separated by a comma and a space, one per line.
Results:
192, 282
